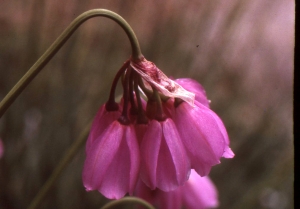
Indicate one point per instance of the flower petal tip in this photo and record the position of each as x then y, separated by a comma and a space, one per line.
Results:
228, 153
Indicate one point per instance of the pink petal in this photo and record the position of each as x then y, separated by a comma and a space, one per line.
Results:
134, 157
201, 136
168, 107
112, 164
199, 192
158, 198
144, 192
196, 88
227, 151
164, 163
176, 154
115, 183
101, 122
169, 200
140, 130
101, 155
150, 147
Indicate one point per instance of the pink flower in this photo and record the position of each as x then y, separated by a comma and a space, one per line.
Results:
197, 193
112, 162
101, 122
1, 148
164, 163
200, 97
160, 142
203, 135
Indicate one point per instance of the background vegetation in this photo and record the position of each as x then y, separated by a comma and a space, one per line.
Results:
240, 50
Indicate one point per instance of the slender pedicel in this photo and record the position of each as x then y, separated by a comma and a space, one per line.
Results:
124, 119
111, 105
141, 118
147, 92
133, 109
59, 42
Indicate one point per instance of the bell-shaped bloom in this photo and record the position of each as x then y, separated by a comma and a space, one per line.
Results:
203, 135
197, 193
164, 162
112, 162
158, 198
101, 122
193, 86
1, 148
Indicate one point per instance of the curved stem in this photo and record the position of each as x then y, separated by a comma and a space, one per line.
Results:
59, 42
124, 119
141, 118
133, 109
147, 92
70, 153
111, 105
126, 200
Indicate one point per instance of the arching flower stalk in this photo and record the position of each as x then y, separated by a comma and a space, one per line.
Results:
157, 138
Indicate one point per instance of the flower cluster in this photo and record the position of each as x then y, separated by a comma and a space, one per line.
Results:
161, 129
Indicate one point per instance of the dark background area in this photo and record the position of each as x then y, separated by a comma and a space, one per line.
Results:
241, 51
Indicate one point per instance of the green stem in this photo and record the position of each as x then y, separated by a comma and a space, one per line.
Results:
111, 104
128, 200
59, 42
70, 153
147, 92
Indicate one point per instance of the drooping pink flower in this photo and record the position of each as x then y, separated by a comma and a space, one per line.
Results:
101, 122
1, 148
159, 198
197, 193
203, 135
159, 142
200, 97
112, 162
164, 163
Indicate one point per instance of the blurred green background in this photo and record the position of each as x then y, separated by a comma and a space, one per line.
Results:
240, 50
